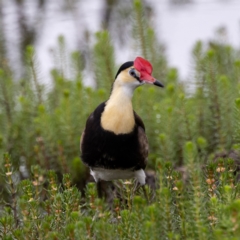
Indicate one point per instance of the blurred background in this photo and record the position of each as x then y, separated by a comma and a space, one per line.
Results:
178, 24
58, 60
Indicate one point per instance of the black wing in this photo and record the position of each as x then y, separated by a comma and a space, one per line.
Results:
101, 148
142, 138
92, 124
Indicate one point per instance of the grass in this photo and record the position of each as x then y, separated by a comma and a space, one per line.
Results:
194, 138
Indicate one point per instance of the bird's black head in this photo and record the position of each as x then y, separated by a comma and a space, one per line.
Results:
135, 73
124, 66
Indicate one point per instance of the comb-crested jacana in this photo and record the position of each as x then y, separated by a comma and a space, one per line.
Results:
114, 144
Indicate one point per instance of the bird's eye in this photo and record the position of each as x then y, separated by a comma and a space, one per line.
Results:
132, 72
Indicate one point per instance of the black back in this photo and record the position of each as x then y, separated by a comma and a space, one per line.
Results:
101, 148
124, 66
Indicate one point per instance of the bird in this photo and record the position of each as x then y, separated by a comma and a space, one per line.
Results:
114, 144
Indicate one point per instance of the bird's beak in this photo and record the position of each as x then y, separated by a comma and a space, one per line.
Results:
147, 78
158, 83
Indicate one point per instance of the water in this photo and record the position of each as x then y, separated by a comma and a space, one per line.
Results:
181, 26
177, 26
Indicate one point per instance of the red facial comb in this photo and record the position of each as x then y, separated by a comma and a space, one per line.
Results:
142, 65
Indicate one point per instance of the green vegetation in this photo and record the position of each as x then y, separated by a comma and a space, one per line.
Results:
193, 132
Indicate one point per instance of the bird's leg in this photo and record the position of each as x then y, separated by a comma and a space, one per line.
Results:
145, 193
137, 187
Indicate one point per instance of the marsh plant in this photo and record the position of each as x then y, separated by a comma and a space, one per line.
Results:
193, 128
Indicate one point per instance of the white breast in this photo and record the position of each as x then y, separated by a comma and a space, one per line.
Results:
114, 174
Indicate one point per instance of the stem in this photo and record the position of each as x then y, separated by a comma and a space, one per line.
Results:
6, 101
138, 7
216, 107
35, 80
